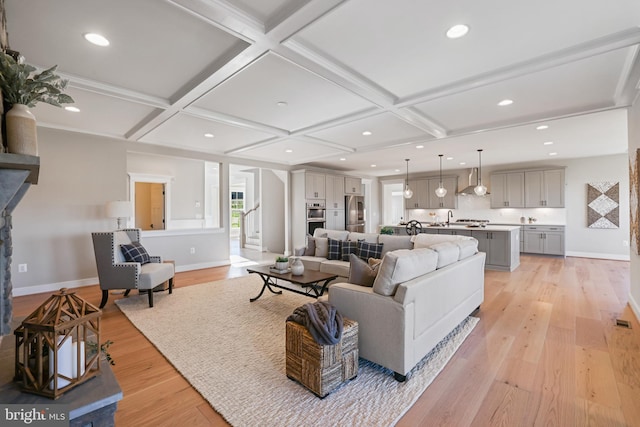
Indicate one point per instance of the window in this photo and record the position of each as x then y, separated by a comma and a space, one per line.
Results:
237, 208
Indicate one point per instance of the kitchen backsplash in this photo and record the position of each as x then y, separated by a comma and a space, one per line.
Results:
473, 207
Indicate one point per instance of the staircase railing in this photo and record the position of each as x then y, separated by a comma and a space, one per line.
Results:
248, 222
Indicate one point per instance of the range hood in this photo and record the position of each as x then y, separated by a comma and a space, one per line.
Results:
473, 182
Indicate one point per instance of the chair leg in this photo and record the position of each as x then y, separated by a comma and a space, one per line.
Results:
126, 293
150, 292
105, 297
171, 285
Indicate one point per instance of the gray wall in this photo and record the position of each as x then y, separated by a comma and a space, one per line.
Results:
634, 144
273, 212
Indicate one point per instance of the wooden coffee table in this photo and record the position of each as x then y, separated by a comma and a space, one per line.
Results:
311, 283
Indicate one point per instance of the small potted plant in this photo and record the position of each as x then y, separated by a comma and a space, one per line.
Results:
22, 88
282, 263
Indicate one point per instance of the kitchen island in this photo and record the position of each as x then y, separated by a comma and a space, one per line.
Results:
501, 243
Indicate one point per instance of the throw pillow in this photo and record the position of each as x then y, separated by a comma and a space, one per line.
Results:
360, 273
310, 250
374, 262
135, 252
335, 249
322, 247
349, 248
369, 250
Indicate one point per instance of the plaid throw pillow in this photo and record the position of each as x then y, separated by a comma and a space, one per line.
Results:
349, 248
369, 250
335, 249
135, 252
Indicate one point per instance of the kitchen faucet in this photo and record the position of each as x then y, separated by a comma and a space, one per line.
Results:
449, 216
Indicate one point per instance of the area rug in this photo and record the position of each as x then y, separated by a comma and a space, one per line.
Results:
233, 353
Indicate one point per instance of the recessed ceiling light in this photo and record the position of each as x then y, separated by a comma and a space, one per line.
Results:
548, 143
288, 150
72, 109
463, 163
209, 135
342, 159
449, 158
419, 146
366, 133
542, 127
373, 166
96, 39
553, 154
282, 104
457, 31
396, 170
505, 102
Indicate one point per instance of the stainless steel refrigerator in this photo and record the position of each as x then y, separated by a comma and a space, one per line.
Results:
354, 213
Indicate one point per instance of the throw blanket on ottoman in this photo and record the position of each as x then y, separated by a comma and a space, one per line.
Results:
322, 320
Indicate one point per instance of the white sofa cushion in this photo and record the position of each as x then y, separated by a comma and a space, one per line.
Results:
467, 248
448, 253
340, 268
393, 243
402, 265
334, 234
312, 262
425, 240
367, 237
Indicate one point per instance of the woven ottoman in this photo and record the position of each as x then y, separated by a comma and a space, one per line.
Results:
321, 368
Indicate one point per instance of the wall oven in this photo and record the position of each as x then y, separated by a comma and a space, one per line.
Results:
316, 216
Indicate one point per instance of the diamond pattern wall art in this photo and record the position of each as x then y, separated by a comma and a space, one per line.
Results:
603, 205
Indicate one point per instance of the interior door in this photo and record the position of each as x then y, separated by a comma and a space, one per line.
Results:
157, 206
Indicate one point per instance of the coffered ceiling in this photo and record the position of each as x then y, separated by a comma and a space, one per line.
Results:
298, 82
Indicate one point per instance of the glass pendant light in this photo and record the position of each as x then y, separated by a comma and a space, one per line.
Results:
407, 193
441, 191
480, 189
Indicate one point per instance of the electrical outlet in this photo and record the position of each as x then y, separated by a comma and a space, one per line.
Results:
22, 268
192, 251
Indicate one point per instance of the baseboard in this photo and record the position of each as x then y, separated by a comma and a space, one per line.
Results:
200, 266
635, 308
52, 287
614, 257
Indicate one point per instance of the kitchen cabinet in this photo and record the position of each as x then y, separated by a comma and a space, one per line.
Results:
450, 201
334, 190
502, 248
314, 185
335, 219
544, 239
353, 186
544, 188
507, 190
420, 198
455, 232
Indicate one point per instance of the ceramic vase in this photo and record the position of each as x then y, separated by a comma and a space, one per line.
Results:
22, 136
297, 268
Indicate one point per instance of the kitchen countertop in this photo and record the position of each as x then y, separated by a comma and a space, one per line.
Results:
464, 227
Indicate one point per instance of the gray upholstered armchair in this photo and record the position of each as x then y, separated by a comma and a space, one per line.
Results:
142, 272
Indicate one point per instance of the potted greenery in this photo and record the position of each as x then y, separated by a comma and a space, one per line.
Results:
282, 263
22, 88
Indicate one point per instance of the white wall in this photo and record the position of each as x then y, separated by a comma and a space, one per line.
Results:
634, 145
273, 212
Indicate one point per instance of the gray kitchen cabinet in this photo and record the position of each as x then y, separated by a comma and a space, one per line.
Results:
334, 190
544, 188
335, 219
507, 190
420, 198
450, 201
544, 239
314, 185
502, 248
456, 232
352, 186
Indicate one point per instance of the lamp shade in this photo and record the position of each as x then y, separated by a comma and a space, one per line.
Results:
118, 209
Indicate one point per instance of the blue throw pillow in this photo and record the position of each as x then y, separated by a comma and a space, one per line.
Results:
369, 250
135, 252
335, 249
349, 248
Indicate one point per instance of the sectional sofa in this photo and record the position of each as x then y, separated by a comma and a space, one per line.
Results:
425, 286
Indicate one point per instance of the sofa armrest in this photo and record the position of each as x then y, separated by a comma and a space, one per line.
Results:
383, 325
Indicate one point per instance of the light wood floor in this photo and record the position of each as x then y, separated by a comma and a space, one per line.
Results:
545, 352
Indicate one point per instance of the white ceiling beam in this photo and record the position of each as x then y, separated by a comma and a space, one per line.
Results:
234, 121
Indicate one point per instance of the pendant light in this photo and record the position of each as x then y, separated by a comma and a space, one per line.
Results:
480, 189
441, 191
407, 193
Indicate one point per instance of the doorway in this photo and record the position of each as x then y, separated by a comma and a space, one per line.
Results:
149, 205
